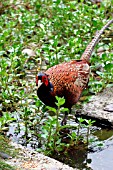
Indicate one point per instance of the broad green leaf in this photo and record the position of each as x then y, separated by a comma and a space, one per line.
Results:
64, 110
51, 109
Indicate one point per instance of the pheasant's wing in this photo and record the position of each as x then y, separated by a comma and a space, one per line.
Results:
77, 80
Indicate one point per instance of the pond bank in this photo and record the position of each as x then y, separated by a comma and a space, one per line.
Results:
100, 108
28, 159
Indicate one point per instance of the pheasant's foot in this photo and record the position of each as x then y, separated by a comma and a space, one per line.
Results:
64, 121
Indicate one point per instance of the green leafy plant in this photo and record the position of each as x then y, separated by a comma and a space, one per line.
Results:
5, 120
5, 166
51, 129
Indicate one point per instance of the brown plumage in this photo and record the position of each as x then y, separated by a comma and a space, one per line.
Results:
67, 79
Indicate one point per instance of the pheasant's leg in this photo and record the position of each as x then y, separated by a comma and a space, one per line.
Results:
64, 121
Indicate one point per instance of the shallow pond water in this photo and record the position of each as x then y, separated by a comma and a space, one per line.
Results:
95, 158
103, 159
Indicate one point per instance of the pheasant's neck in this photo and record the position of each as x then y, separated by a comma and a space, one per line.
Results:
44, 94
43, 90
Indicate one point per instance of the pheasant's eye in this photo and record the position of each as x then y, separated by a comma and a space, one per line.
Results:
45, 80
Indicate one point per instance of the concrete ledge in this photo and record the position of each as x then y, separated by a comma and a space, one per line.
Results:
28, 159
100, 108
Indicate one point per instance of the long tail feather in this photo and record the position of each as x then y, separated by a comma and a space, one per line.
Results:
89, 49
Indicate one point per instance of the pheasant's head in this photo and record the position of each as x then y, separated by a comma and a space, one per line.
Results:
42, 78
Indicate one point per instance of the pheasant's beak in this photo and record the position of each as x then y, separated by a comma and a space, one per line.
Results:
39, 83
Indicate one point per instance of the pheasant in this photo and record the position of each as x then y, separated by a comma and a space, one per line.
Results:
67, 79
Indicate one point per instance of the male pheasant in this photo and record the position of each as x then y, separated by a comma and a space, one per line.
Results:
67, 79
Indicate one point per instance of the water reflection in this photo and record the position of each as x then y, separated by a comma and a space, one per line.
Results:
103, 134
76, 158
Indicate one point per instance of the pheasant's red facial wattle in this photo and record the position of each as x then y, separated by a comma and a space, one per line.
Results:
45, 80
36, 80
42, 78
